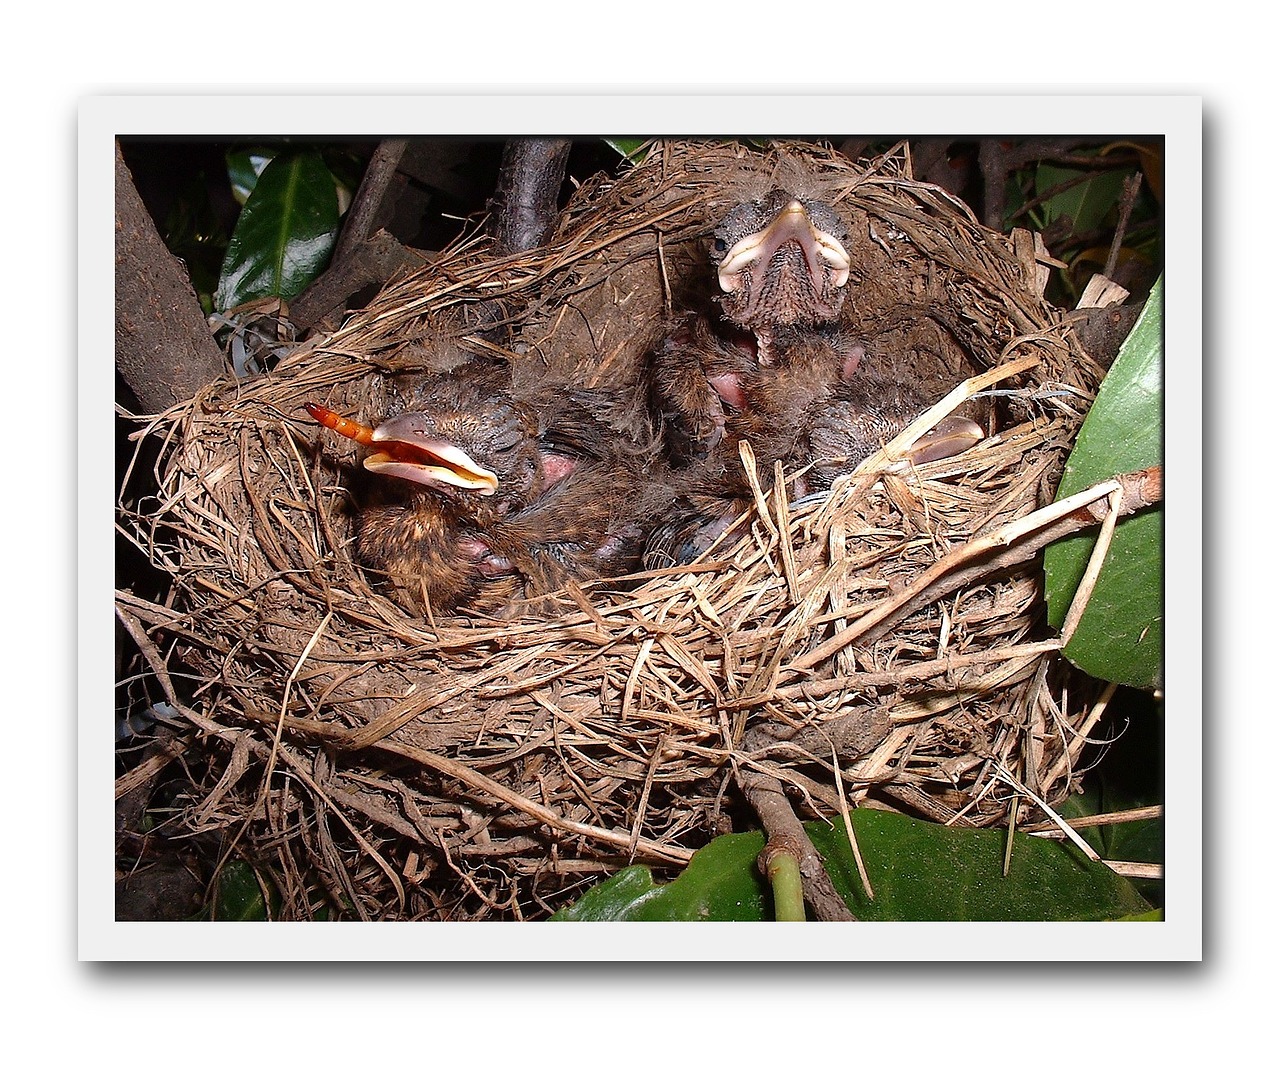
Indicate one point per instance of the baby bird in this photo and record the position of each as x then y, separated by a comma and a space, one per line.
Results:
782, 263
783, 267
786, 373
489, 499
840, 432
866, 414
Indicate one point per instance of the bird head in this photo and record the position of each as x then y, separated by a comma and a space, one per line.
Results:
781, 261
461, 441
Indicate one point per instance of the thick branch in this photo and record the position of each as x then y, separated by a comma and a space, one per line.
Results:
526, 203
164, 350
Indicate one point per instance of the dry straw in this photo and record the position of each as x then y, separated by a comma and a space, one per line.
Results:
477, 767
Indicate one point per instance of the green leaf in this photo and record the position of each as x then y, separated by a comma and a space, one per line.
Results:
1121, 634
925, 872
631, 149
721, 882
285, 233
244, 167
919, 872
238, 899
1086, 204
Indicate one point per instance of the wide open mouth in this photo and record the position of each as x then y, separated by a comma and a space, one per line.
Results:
441, 464
401, 448
823, 252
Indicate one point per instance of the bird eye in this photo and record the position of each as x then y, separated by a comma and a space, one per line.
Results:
827, 218
719, 246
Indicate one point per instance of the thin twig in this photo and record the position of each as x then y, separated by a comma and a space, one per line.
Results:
369, 198
848, 823
784, 832
1129, 194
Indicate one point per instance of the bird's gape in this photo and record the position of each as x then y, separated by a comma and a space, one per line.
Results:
402, 448
791, 272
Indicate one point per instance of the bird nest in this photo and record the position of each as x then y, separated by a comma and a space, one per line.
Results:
880, 643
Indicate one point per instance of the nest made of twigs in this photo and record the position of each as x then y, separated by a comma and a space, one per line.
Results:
490, 767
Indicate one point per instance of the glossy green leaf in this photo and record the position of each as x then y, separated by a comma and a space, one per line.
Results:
922, 872
721, 882
1121, 634
919, 871
284, 235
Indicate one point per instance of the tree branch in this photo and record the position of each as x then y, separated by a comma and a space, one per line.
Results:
526, 203
164, 349
785, 833
370, 198
365, 254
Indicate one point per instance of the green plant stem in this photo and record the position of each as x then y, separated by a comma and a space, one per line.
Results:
783, 870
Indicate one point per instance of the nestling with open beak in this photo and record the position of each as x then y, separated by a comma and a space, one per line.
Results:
782, 262
489, 499
784, 268
787, 374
